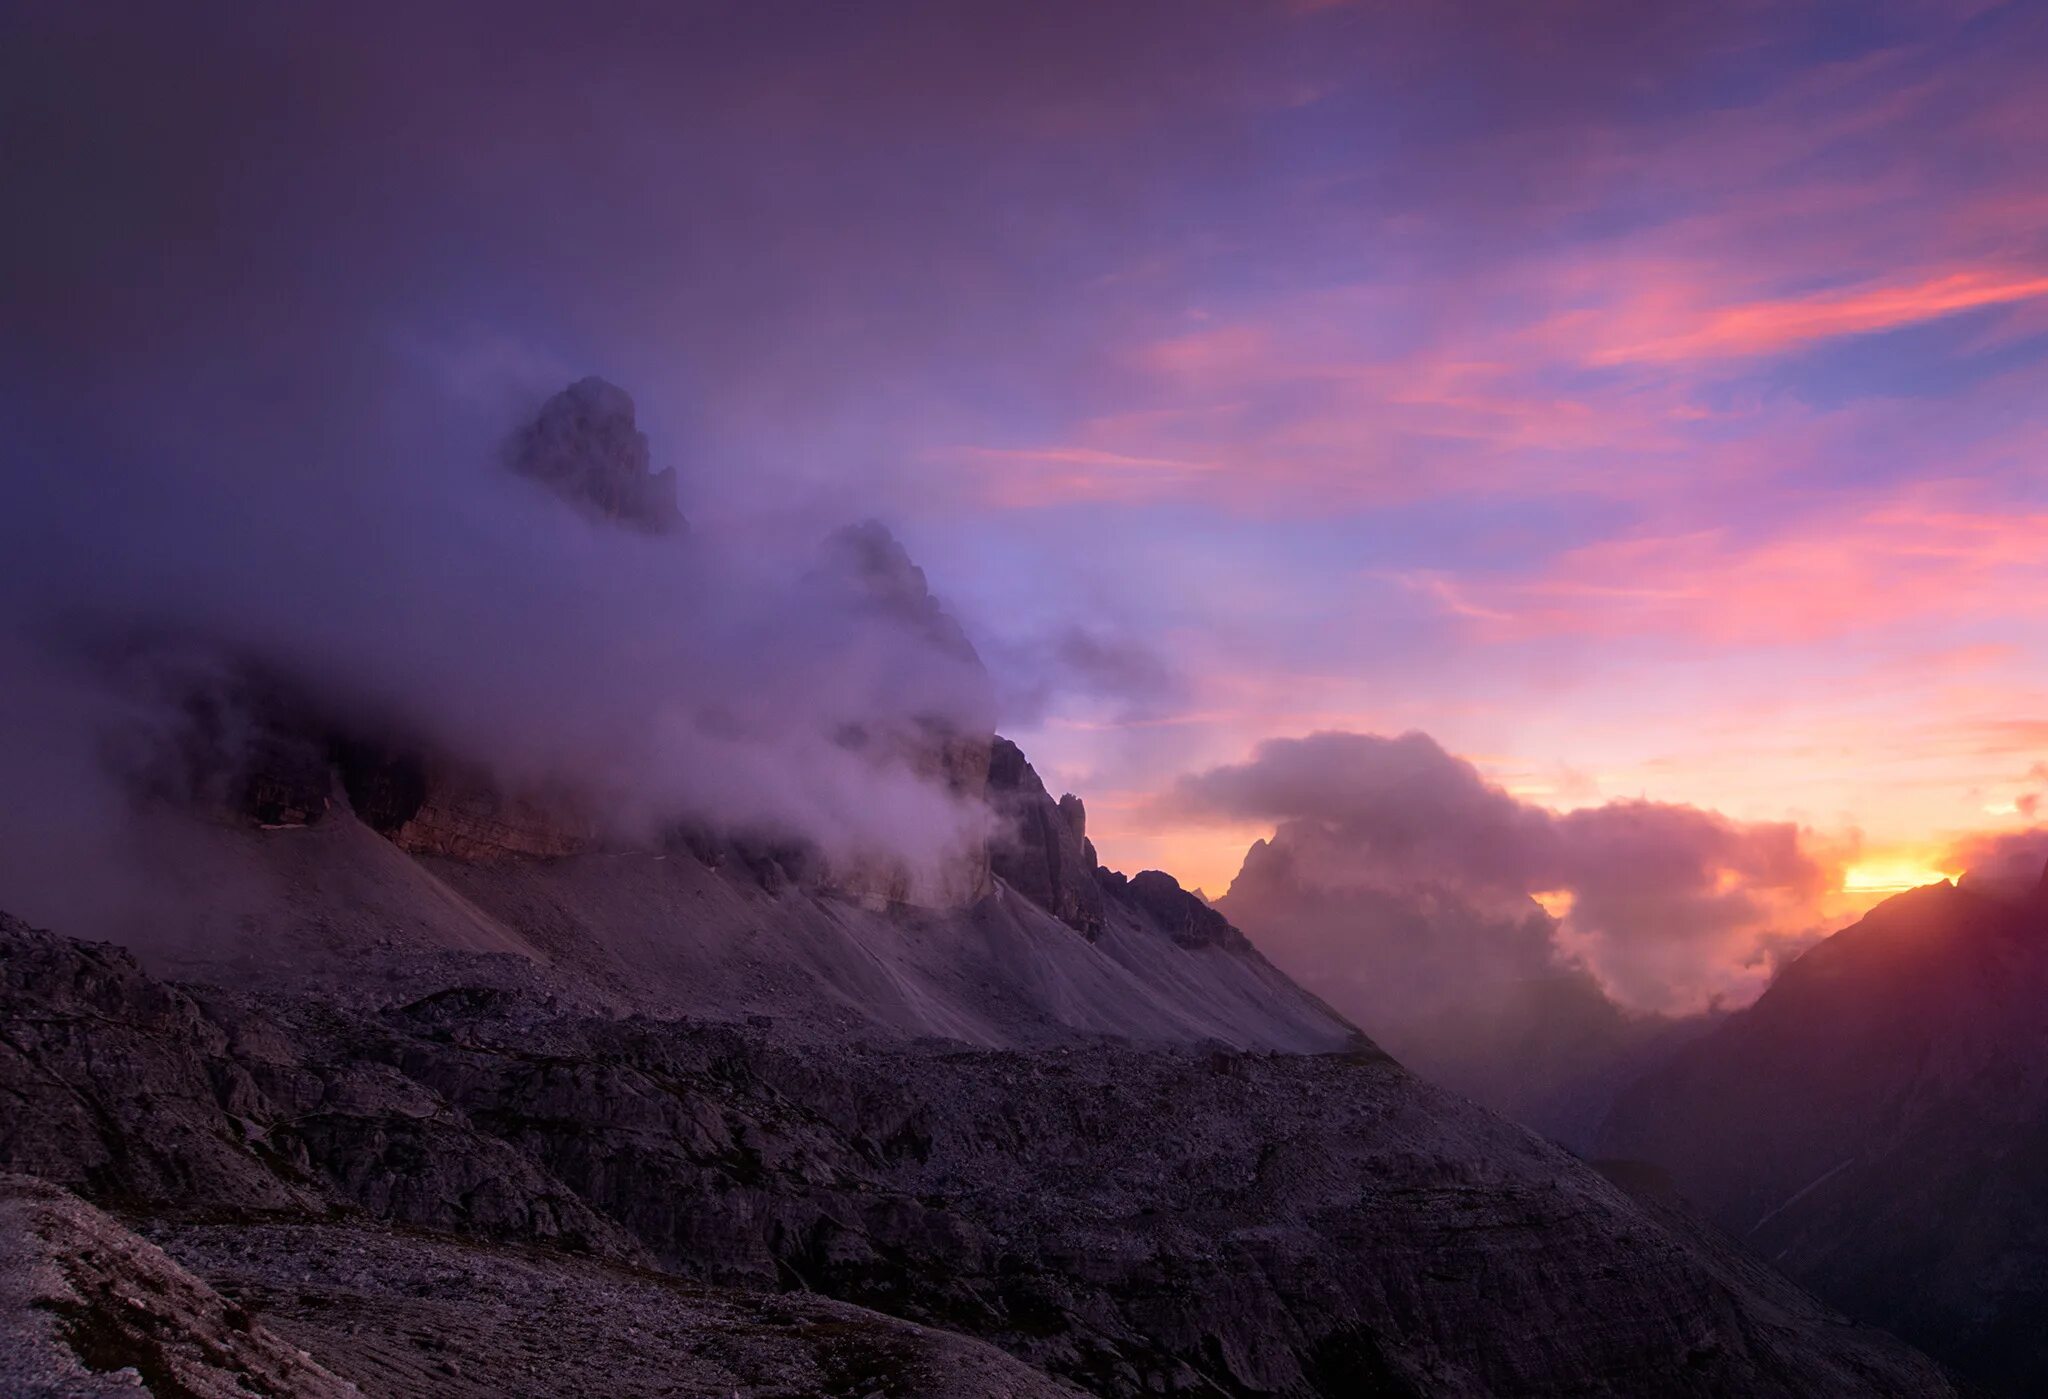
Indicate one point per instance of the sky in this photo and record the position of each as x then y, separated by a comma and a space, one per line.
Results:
1643, 403
1647, 402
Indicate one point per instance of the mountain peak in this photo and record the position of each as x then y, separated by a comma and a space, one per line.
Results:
586, 447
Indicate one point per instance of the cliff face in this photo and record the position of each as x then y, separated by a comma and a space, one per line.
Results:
955, 763
1874, 1125
1040, 846
1188, 920
1122, 1219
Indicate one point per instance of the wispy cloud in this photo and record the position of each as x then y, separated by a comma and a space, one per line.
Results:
1768, 327
1829, 577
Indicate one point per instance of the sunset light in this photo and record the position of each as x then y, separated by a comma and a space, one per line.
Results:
1030, 698
1890, 876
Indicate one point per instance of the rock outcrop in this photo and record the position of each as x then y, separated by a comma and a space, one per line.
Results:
309, 1308
1039, 846
1120, 1219
450, 810
90, 1311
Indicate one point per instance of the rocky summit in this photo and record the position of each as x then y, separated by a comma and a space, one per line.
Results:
585, 446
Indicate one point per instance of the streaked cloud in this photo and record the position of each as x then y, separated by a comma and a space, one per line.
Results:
1768, 327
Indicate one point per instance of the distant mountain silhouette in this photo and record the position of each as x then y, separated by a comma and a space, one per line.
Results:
1877, 1125
1467, 991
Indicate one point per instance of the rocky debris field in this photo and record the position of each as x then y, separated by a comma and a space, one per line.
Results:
524, 1183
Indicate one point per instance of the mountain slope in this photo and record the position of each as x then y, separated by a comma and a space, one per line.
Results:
1125, 1218
336, 907
1877, 1125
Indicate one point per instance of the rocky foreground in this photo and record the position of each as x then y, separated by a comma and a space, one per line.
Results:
483, 1192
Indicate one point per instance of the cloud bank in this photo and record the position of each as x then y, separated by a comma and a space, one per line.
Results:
1534, 959
2001, 862
285, 288
1670, 908
396, 579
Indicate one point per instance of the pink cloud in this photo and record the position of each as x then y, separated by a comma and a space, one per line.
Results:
1766, 327
1669, 906
1889, 565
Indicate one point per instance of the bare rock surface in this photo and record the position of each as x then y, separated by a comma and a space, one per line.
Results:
335, 908
1125, 1219
1040, 847
475, 821
413, 1315
90, 1311
1185, 917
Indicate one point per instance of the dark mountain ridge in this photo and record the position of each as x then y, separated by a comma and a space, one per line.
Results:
1877, 1125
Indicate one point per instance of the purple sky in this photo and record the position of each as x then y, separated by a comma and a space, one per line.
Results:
1643, 400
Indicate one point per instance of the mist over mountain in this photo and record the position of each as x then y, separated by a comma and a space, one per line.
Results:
1534, 959
643, 676
790, 973
2005, 864
1475, 997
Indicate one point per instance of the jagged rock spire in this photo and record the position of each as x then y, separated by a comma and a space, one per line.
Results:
585, 446
1041, 847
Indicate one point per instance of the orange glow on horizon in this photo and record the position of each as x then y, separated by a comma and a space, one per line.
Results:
1891, 875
